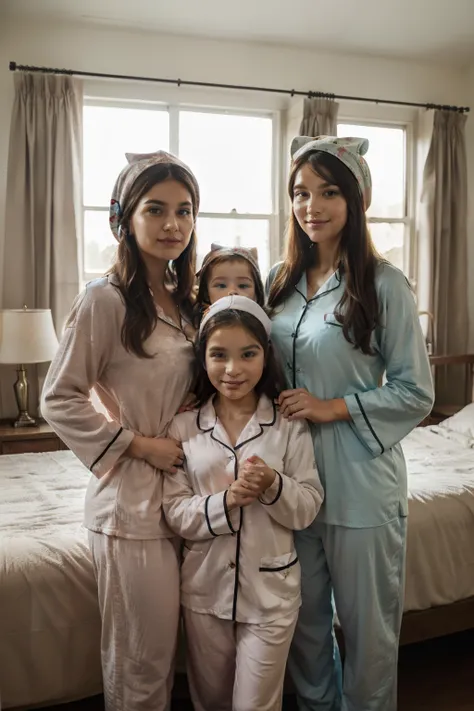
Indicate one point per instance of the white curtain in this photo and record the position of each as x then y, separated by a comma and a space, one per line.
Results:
44, 204
444, 199
319, 118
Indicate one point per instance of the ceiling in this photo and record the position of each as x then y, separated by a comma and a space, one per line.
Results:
431, 30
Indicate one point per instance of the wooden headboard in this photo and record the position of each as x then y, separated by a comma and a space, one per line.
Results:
467, 360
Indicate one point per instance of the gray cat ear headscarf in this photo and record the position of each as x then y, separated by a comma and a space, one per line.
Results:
350, 151
137, 164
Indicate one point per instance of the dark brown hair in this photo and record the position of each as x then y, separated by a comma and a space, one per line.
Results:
129, 268
358, 309
211, 260
270, 383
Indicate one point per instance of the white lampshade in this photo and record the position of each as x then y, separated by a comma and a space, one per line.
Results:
27, 336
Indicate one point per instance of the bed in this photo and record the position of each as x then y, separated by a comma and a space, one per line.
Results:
49, 622
49, 617
447, 612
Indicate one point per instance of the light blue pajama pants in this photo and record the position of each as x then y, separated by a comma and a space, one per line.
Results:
364, 569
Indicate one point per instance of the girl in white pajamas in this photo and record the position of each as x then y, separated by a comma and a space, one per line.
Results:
129, 337
248, 479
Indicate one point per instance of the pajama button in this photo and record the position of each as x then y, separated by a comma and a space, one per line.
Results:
231, 565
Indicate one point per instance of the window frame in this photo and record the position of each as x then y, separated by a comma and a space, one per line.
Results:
173, 109
408, 220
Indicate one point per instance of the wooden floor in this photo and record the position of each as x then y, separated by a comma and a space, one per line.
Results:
433, 676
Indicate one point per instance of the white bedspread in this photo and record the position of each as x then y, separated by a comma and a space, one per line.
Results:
440, 550
49, 618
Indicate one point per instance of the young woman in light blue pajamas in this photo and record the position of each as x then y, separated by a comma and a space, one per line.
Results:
346, 329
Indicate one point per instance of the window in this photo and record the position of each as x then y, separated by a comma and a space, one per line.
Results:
231, 154
388, 214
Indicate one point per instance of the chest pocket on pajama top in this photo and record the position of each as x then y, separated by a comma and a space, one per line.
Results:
282, 574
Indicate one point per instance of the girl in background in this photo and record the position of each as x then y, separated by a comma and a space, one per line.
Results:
226, 271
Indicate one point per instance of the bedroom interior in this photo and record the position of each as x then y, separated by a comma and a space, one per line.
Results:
408, 86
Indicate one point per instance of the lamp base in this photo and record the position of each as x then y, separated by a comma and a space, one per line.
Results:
21, 396
24, 420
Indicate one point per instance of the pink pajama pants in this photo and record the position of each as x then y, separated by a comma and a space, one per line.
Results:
138, 584
233, 666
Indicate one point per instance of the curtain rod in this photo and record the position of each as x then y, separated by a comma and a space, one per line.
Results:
14, 67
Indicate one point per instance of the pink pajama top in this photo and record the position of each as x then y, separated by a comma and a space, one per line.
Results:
141, 396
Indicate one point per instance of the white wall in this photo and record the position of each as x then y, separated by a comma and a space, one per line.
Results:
137, 53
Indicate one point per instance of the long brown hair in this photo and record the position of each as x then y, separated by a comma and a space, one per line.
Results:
129, 268
271, 382
357, 310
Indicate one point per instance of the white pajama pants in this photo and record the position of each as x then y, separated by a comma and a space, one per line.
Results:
233, 666
138, 583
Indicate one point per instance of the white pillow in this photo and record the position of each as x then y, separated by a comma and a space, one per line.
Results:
462, 422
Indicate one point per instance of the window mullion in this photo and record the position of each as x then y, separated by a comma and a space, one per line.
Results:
174, 129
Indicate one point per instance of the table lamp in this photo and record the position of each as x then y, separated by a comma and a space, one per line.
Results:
26, 336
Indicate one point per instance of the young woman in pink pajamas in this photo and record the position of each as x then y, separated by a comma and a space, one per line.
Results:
248, 479
129, 337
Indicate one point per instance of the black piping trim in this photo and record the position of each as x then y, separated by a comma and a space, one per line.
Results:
159, 318
280, 487
106, 449
319, 296
226, 511
295, 337
238, 533
382, 448
198, 422
262, 425
237, 552
314, 298
282, 567
222, 443
206, 512
237, 546
237, 569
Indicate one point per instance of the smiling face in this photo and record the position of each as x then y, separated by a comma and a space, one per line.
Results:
163, 221
318, 206
232, 276
235, 361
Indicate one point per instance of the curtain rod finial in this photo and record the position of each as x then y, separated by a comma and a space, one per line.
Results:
12, 66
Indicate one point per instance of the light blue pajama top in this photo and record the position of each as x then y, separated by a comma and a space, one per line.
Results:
361, 463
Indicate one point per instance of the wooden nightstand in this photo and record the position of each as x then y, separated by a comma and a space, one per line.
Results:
440, 413
28, 439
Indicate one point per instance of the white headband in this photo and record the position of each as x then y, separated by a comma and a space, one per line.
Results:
239, 303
